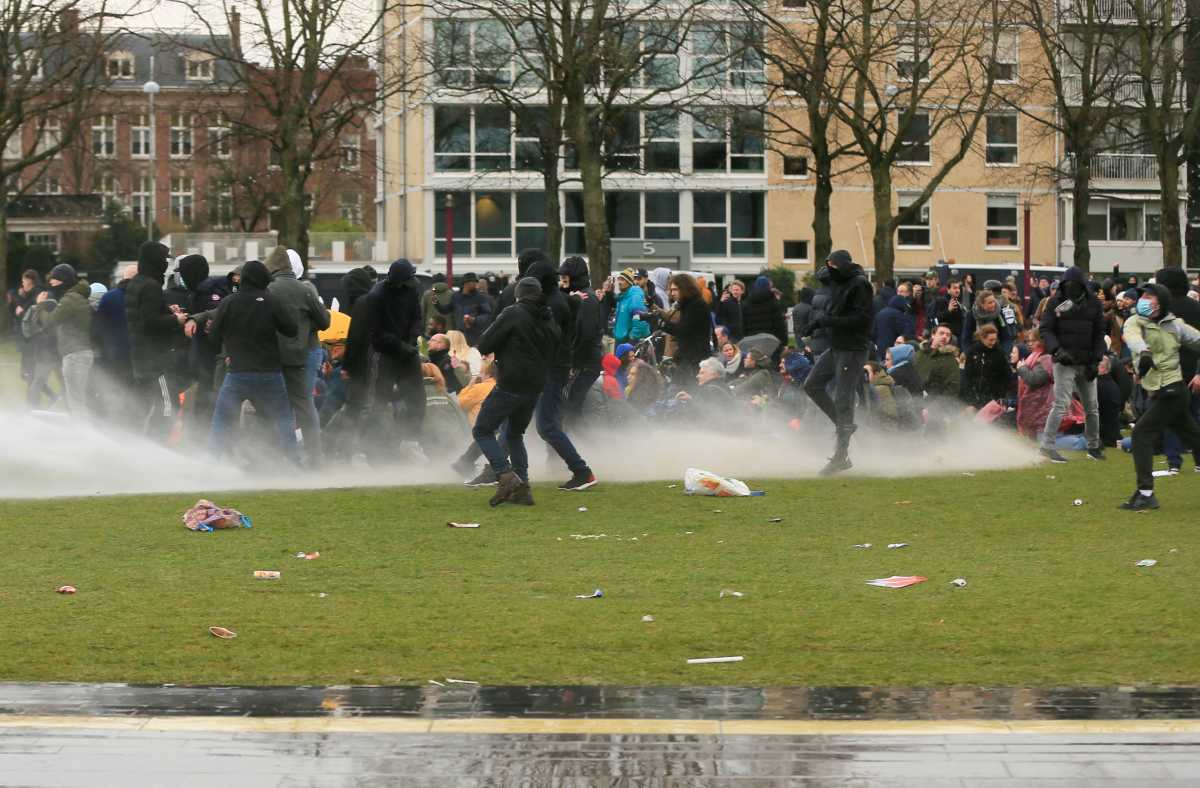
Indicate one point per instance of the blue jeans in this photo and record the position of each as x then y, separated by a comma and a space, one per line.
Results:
1173, 446
517, 410
549, 417
267, 392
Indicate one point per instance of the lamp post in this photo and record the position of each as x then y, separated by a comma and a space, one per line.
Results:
151, 89
449, 204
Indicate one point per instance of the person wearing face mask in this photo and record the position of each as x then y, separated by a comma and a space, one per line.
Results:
1155, 337
154, 327
1073, 331
848, 318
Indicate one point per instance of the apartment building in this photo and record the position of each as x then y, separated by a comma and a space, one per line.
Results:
713, 189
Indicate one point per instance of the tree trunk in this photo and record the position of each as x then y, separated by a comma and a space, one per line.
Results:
293, 231
1172, 241
4, 239
822, 198
1081, 197
884, 247
1191, 70
591, 175
554, 228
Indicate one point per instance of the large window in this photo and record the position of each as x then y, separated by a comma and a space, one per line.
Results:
139, 136
120, 65
350, 207
912, 52
48, 240
199, 68
107, 186
181, 199
727, 55
730, 142
914, 145
1001, 139
728, 224
1002, 220
478, 53
915, 232
220, 210
219, 136
48, 136
630, 215
350, 152
1006, 62
104, 136
181, 135
141, 198
471, 139
482, 224
660, 58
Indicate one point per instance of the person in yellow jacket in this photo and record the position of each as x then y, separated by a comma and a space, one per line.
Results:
1154, 336
470, 400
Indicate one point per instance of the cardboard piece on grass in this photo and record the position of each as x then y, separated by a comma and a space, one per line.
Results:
897, 581
463, 525
713, 660
222, 632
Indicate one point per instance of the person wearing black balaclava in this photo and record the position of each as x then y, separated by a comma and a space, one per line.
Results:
1073, 330
848, 318
153, 328
393, 312
588, 335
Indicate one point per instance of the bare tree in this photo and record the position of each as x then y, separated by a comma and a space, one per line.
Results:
1168, 123
49, 78
306, 69
921, 73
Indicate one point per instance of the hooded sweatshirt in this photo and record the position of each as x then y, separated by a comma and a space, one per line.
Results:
564, 317
524, 338
848, 314
248, 322
302, 300
586, 341
393, 312
355, 285
1161, 337
152, 326
71, 320
1076, 328
762, 313
1184, 308
894, 320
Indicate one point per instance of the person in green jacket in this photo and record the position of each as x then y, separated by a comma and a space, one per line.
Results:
937, 364
71, 321
1154, 336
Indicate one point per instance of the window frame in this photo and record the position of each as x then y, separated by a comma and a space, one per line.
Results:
355, 210
141, 199
1015, 228
807, 251
1014, 146
126, 66
914, 37
728, 226
350, 153
927, 144
925, 221
220, 137
143, 132
182, 201
104, 136
201, 63
182, 135
1009, 55
55, 245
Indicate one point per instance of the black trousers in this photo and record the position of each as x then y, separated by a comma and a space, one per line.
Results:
1170, 409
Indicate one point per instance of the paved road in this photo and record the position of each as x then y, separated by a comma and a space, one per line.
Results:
234, 753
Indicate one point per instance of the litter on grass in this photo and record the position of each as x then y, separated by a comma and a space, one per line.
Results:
588, 536
897, 545
222, 632
206, 517
698, 482
1160, 474
863, 546
967, 473
313, 556
959, 582
647, 619
597, 594
726, 592
66, 589
775, 520
463, 525
712, 660
583, 508
436, 683
897, 581
267, 574
903, 503
1078, 502
1146, 562
461, 681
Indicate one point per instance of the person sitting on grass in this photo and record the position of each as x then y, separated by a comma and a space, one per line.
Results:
711, 390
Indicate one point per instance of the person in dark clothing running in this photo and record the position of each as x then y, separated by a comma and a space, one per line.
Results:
526, 258
1073, 329
524, 339
245, 325
587, 336
393, 312
153, 329
817, 338
848, 318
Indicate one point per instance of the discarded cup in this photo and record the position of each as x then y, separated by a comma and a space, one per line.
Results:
597, 594
1078, 502
222, 632
897, 581
711, 660
726, 592
583, 508
863, 546
897, 545
959, 582
647, 619
267, 574
463, 525
66, 589
308, 556
1146, 562
718, 511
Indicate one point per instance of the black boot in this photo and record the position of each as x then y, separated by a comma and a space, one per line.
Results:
840, 461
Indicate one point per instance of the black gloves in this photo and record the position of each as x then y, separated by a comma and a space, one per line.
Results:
1145, 363
1063, 357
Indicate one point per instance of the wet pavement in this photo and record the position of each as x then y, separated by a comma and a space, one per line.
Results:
465, 736
726, 703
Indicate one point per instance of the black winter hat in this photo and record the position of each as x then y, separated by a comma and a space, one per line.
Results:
255, 274
400, 272
65, 274
1164, 297
1174, 279
468, 277
529, 289
528, 257
839, 258
193, 269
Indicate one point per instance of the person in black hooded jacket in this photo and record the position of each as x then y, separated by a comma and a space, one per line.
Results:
153, 328
204, 293
393, 313
848, 318
356, 367
587, 338
1073, 328
762, 313
245, 325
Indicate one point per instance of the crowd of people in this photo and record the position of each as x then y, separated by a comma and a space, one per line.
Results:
461, 369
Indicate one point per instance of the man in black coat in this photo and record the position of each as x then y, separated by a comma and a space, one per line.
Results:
393, 317
1187, 310
153, 329
848, 318
1073, 331
586, 341
472, 309
524, 339
245, 325
950, 310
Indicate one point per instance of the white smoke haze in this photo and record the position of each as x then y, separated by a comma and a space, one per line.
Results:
51, 456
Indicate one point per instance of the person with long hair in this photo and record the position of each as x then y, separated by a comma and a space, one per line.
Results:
461, 353
691, 326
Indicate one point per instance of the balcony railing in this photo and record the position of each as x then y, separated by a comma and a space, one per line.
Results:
1124, 91
1122, 167
236, 248
1115, 11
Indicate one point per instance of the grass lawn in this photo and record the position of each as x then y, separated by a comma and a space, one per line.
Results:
1053, 595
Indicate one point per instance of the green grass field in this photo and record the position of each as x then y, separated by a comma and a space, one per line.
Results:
1053, 595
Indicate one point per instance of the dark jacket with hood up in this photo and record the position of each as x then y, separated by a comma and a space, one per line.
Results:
247, 323
524, 338
1187, 310
355, 285
588, 335
1078, 332
205, 294
849, 313
153, 328
730, 313
564, 318
763, 314
394, 314
894, 320
305, 304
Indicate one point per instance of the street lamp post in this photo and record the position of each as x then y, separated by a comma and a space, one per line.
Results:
449, 203
151, 89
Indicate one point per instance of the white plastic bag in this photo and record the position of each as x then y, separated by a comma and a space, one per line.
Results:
698, 482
